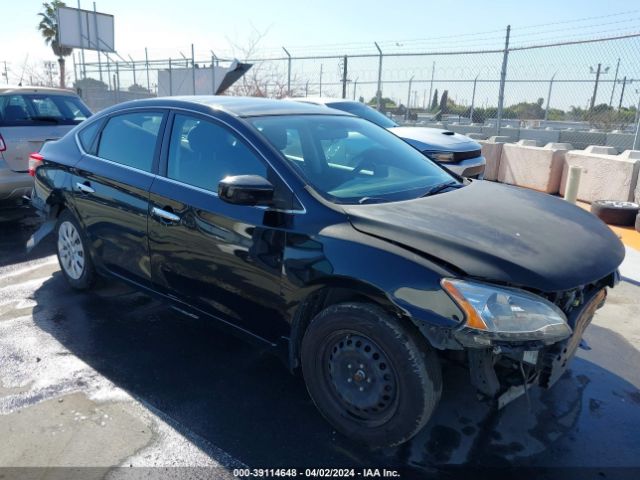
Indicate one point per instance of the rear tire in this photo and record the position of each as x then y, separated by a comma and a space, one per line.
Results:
615, 213
372, 379
73, 253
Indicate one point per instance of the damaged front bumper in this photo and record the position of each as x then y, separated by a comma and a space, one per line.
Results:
505, 371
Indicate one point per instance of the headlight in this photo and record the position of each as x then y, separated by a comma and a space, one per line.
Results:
506, 314
441, 156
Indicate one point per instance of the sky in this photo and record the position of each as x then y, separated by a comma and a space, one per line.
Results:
168, 28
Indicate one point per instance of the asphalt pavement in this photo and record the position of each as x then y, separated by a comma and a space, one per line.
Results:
115, 378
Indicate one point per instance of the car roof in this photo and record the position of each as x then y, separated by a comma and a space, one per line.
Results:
8, 89
322, 100
237, 106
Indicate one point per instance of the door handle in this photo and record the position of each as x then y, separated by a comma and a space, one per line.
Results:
164, 215
84, 187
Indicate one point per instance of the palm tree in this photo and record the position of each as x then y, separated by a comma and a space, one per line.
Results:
48, 26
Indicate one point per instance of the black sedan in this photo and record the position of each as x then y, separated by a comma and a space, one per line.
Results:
365, 272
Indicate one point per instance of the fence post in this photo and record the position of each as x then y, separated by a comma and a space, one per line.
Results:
320, 94
146, 62
379, 91
636, 138
433, 72
288, 72
473, 98
108, 71
193, 69
133, 66
355, 85
75, 72
344, 77
503, 76
170, 79
213, 73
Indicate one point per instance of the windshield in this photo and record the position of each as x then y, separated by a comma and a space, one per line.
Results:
351, 160
364, 111
31, 109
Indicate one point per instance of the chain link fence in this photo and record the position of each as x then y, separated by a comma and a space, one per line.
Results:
583, 91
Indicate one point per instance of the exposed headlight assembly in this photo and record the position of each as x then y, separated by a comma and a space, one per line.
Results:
505, 314
442, 156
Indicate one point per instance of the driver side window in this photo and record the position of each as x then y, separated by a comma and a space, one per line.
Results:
201, 153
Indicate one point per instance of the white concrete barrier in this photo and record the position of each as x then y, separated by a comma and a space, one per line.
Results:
492, 151
605, 175
527, 165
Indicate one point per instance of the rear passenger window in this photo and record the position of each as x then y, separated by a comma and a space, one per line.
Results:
130, 139
87, 136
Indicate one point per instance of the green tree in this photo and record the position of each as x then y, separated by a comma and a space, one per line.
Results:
434, 102
48, 26
444, 102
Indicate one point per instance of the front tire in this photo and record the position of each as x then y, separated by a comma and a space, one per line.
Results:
372, 379
73, 253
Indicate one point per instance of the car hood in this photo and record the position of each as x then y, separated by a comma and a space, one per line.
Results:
500, 233
435, 139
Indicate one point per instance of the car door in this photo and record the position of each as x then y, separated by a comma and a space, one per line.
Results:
221, 259
111, 191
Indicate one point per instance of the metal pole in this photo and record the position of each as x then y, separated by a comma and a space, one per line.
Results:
433, 71
213, 74
170, 79
117, 83
344, 78
355, 85
473, 98
193, 69
595, 88
288, 71
108, 72
75, 72
95, 24
406, 112
306, 89
636, 138
624, 84
80, 29
503, 77
320, 94
613, 89
133, 65
546, 110
379, 91
146, 62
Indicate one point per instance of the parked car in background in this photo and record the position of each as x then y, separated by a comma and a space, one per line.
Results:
456, 152
363, 275
30, 116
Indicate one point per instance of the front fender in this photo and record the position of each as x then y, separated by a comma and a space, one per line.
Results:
341, 256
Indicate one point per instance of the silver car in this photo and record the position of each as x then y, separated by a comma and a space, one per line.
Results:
458, 153
30, 116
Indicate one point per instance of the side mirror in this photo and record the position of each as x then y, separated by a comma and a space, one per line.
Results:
246, 190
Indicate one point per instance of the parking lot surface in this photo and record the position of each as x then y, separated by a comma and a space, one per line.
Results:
115, 378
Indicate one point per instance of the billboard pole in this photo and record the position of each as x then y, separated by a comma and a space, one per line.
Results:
95, 24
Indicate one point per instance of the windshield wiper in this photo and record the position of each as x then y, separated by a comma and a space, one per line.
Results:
442, 186
364, 200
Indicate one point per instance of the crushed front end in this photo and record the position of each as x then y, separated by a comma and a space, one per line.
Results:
503, 365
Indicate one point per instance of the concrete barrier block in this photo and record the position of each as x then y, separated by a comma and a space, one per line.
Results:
491, 151
621, 141
542, 136
477, 136
601, 150
527, 165
605, 176
581, 140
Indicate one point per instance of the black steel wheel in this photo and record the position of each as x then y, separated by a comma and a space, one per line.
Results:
373, 379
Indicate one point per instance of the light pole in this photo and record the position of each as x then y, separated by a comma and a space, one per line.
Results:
598, 72
546, 110
406, 113
473, 98
615, 79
